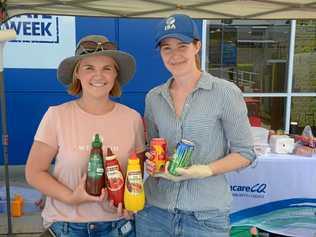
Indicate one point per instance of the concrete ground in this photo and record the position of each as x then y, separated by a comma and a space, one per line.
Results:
30, 223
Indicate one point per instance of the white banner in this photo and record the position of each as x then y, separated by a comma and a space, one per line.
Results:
277, 194
42, 41
273, 178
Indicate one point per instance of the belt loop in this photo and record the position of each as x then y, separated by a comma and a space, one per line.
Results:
65, 228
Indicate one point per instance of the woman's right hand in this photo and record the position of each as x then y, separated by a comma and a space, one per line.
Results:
150, 166
40, 203
120, 211
80, 195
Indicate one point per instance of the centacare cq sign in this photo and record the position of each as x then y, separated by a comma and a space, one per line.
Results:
42, 41
257, 190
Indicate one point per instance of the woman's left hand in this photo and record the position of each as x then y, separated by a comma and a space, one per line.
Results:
195, 172
192, 172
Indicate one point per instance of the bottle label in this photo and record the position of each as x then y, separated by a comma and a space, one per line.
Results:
115, 178
134, 182
95, 167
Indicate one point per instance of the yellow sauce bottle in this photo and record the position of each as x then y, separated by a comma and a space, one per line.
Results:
134, 195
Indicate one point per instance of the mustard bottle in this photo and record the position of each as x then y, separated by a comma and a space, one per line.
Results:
134, 195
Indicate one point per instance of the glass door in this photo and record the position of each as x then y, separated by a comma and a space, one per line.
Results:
253, 55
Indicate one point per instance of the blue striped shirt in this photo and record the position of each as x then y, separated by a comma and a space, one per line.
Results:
214, 118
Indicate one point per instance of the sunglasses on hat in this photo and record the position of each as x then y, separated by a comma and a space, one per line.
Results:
86, 47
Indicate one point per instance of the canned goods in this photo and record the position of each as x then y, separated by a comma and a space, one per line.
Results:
158, 150
182, 156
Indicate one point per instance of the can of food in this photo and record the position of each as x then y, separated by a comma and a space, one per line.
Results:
182, 156
158, 151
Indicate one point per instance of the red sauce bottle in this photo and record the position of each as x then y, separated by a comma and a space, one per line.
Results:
114, 177
95, 177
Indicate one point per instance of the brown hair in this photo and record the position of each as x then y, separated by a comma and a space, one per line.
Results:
116, 89
75, 87
197, 56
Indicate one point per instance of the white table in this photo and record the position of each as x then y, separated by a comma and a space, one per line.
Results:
276, 193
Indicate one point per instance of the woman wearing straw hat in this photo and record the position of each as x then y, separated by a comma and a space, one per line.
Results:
95, 73
211, 113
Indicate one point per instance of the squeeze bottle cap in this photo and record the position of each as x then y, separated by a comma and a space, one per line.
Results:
133, 159
133, 156
109, 152
97, 142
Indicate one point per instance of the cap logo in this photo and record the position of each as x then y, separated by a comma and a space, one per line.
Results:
170, 23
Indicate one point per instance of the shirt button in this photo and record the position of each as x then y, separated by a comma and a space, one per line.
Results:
92, 226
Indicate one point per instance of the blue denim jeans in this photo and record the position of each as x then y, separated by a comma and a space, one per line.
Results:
94, 229
156, 222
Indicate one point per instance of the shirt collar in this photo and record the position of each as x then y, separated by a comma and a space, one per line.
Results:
206, 82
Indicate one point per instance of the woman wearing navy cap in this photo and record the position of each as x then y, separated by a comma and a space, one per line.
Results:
208, 111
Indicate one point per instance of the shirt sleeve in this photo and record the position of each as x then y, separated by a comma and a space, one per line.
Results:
151, 128
236, 124
46, 131
139, 135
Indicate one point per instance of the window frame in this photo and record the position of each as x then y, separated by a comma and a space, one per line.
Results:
288, 94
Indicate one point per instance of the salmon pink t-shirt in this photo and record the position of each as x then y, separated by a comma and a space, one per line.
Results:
70, 130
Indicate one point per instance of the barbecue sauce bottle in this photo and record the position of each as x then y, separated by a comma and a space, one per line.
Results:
96, 177
114, 177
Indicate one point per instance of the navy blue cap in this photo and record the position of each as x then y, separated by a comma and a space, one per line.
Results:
177, 26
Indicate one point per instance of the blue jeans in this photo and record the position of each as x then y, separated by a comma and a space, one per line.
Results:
156, 222
94, 229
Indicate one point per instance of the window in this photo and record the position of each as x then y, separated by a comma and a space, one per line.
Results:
278, 80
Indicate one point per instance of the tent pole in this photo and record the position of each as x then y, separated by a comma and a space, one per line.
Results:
5, 35
5, 141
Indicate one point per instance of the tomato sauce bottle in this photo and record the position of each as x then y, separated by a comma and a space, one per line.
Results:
96, 178
114, 178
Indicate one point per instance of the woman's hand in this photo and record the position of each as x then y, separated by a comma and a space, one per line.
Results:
120, 211
195, 172
168, 176
40, 203
80, 195
150, 166
192, 172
